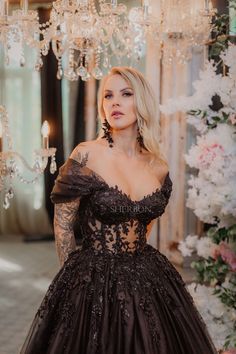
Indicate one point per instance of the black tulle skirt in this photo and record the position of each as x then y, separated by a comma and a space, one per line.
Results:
101, 303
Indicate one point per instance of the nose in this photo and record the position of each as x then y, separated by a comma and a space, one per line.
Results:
115, 104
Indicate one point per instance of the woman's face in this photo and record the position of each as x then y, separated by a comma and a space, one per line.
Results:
118, 102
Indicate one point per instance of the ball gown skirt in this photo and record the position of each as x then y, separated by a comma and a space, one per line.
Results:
115, 295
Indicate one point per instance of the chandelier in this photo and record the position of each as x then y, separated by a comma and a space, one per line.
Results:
12, 162
87, 35
181, 26
20, 28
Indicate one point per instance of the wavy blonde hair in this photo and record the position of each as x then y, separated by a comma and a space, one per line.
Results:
145, 109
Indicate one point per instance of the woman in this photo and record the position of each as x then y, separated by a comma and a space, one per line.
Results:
116, 295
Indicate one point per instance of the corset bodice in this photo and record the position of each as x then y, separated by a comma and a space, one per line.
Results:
109, 220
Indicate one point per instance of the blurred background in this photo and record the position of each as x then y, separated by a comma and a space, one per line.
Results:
28, 260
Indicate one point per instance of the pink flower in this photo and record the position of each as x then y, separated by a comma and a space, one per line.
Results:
216, 252
230, 351
228, 255
209, 153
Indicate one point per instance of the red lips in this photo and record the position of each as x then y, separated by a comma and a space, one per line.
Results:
117, 113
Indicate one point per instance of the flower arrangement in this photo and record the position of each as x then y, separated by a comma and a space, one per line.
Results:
212, 193
212, 196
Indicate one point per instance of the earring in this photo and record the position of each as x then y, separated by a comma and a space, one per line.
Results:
140, 141
107, 133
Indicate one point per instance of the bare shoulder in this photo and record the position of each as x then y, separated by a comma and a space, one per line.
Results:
161, 169
91, 149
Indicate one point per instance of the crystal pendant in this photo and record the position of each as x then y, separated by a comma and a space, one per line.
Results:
12, 169
10, 193
37, 67
106, 62
22, 61
6, 203
81, 71
45, 50
86, 77
37, 166
97, 73
59, 73
70, 74
53, 166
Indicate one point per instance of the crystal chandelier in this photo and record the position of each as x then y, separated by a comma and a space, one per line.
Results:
20, 28
11, 161
182, 25
87, 35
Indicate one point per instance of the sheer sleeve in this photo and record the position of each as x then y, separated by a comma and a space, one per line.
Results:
74, 181
64, 217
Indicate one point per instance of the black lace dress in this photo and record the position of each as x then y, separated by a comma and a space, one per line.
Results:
117, 294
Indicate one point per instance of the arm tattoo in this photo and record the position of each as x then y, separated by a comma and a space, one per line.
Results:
63, 227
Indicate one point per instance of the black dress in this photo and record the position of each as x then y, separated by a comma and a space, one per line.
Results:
117, 294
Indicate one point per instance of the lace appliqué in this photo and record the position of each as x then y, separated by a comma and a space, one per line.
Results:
115, 255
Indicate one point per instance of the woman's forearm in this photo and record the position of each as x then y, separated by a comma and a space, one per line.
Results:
63, 228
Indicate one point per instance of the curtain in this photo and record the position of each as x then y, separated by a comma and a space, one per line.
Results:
20, 94
79, 121
51, 102
168, 81
79, 133
173, 80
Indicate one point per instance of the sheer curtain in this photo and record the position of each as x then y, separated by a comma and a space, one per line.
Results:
168, 81
20, 94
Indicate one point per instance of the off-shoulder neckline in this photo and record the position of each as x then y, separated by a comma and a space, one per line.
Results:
119, 190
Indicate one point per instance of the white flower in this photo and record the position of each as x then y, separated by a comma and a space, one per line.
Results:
212, 192
205, 247
184, 249
191, 241
223, 86
217, 317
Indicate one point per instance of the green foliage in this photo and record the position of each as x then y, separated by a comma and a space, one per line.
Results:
220, 33
230, 340
212, 121
227, 295
222, 234
211, 270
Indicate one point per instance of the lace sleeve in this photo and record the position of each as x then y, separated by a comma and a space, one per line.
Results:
64, 218
74, 180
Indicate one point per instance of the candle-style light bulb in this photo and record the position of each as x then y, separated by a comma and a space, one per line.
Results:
4, 7
113, 3
207, 5
145, 2
83, 2
24, 6
45, 130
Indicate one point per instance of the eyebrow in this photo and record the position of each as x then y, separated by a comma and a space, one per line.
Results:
126, 88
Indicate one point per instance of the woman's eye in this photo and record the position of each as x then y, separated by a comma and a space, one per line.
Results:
107, 96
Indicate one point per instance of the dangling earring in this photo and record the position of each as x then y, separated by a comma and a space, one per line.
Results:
107, 133
140, 141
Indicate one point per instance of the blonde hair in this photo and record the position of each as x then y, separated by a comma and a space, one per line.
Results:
145, 108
